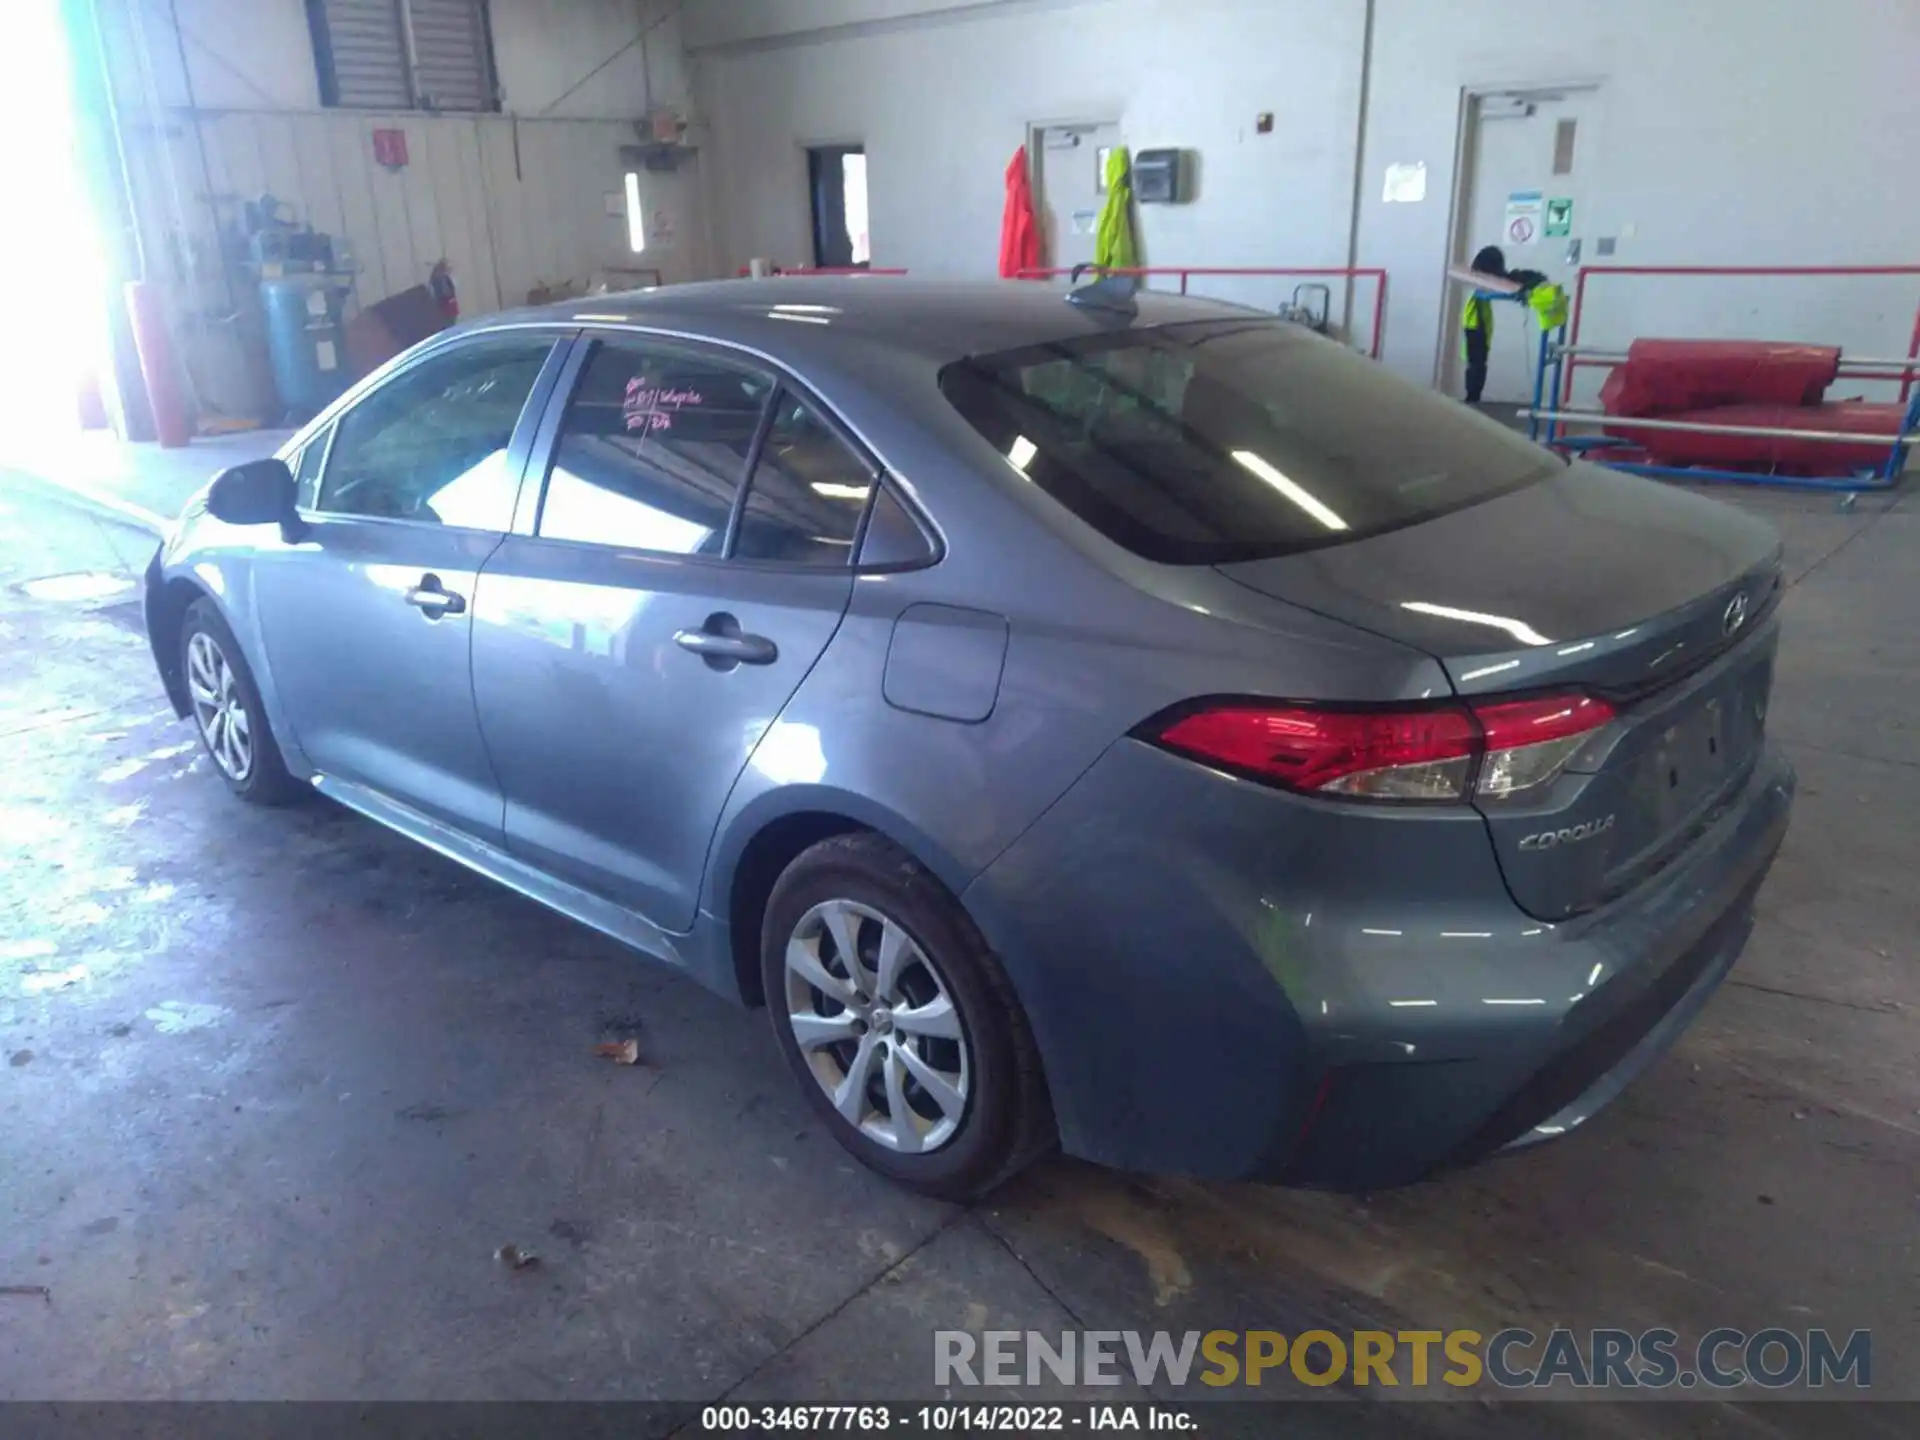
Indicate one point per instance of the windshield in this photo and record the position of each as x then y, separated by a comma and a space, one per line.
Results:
1233, 439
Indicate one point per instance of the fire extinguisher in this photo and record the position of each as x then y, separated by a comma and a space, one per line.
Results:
440, 285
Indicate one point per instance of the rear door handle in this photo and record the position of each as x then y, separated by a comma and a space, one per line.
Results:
433, 599
720, 643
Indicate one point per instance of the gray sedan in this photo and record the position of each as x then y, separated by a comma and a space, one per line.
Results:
1127, 722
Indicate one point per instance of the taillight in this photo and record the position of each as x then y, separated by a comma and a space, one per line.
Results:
1435, 753
1530, 741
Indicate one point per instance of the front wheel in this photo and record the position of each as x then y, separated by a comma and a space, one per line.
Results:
898, 1022
228, 713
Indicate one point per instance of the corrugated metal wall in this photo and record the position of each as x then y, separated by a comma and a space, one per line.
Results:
510, 205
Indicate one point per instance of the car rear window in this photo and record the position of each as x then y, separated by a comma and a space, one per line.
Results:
1224, 440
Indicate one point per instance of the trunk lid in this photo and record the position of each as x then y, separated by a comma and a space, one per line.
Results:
1659, 601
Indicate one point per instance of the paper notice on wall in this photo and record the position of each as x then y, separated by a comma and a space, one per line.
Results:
1560, 216
663, 230
1523, 216
325, 357
1406, 183
1085, 222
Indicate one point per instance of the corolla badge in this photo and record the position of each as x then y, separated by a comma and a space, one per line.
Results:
1735, 614
1572, 835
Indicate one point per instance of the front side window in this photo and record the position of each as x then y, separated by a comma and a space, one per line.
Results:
306, 469
808, 492
430, 445
652, 449
1224, 440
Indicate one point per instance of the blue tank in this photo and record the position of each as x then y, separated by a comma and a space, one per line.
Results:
304, 340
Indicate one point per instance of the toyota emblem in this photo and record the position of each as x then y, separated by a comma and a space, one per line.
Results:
1735, 616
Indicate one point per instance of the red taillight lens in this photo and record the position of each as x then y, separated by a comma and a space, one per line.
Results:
1387, 755
1426, 754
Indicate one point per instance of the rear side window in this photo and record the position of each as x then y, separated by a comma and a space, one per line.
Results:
1232, 440
652, 450
808, 492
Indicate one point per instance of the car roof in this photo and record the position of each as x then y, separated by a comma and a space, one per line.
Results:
794, 317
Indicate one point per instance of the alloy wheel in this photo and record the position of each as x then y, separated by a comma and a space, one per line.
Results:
877, 1026
218, 707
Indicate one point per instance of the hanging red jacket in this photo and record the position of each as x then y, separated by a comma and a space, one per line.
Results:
1019, 231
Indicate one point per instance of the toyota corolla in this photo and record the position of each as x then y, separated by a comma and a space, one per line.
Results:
1125, 721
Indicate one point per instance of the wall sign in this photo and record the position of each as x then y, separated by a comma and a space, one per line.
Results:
1560, 215
390, 149
1405, 184
1523, 217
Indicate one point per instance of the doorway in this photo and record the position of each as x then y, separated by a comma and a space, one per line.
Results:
1069, 169
1528, 161
837, 185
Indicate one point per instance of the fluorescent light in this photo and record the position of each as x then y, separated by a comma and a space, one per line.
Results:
610, 319
808, 309
799, 319
1020, 454
636, 216
1288, 488
834, 490
1405, 1004
1519, 629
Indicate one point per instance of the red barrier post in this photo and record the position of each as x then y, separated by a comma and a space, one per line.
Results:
159, 368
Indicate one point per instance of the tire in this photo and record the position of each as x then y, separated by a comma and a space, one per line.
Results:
865, 886
227, 713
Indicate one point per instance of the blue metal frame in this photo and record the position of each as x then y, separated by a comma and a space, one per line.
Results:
1552, 361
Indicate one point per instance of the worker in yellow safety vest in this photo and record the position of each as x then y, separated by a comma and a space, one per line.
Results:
1476, 323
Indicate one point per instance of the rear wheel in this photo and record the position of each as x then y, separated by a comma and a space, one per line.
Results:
227, 711
898, 1022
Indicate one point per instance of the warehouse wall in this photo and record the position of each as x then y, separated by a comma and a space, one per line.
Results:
941, 103
1737, 132
533, 197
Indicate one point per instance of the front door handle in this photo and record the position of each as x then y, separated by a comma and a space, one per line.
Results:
721, 644
433, 599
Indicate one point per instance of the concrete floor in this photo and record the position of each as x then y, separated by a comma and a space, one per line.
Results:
279, 1084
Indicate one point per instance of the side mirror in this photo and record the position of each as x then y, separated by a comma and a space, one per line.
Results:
260, 492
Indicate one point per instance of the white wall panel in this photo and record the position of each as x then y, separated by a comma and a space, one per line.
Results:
941, 102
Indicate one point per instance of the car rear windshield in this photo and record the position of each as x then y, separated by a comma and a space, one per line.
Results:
1221, 440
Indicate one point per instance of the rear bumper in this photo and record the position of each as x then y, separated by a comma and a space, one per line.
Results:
1265, 986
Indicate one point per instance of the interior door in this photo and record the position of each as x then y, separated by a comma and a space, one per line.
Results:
1534, 157
837, 183
368, 618
1069, 186
636, 637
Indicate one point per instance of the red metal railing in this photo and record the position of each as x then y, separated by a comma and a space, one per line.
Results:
823, 270
1580, 295
1185, 272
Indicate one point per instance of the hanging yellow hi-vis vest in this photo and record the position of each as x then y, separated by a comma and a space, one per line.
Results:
1549, 305
1476, 314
